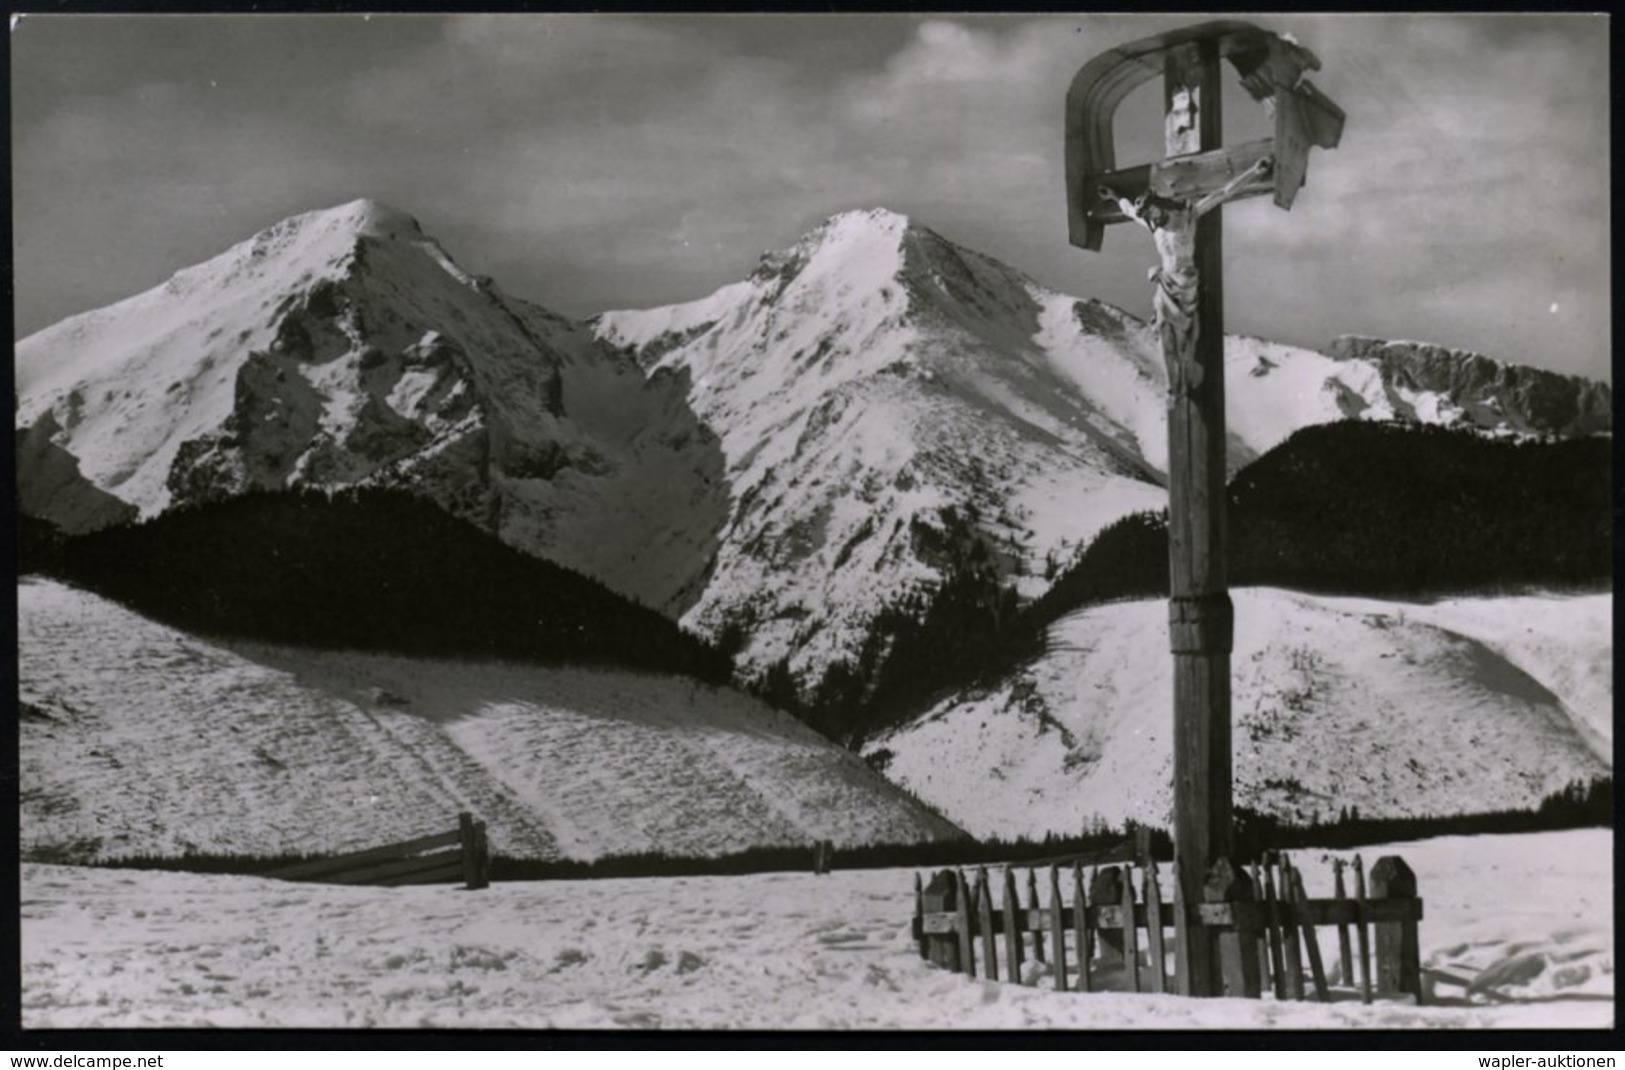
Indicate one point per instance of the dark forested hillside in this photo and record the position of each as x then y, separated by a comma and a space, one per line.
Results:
370, 570
1383, 509
1376, 508
39, 545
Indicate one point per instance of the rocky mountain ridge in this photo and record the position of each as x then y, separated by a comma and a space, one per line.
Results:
1489, 393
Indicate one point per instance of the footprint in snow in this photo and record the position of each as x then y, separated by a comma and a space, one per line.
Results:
878, 976
637, 1019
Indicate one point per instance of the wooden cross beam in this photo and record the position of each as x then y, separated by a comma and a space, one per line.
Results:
1176, 199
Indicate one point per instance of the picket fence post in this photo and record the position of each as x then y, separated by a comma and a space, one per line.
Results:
984, 922
1345, 950
1237, 944
941, 949
1057, 929
1153, 923
919, 919
1399, 967
967, 946
1033, 905
1080, 926
1106, 889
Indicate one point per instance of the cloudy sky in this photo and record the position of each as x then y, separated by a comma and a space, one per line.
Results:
592, 162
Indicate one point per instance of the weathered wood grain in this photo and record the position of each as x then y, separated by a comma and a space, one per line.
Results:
1199, 605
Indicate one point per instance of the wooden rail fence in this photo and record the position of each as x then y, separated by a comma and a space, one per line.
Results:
1266, 926
461, 854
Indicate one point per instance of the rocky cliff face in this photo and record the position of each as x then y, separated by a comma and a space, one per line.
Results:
1484, 392
56, 490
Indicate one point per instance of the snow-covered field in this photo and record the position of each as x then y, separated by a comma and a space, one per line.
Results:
138, 738
1470, 704
1530, 916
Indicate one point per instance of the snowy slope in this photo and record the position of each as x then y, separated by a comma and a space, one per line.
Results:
136, 738
876, 380
345, 346
1334, 703
1530, 916
1564, 644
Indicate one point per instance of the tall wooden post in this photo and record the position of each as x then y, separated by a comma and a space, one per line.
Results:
1200, 615
1178, 200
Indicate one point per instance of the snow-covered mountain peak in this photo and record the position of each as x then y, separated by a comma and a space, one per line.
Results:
879, 217
344, 346
370, 217
858, 232
298, 249
337, 227
873, 386
845, 235
130, 384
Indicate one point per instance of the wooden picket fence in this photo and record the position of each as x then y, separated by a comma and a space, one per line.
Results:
461, 854
1264, 923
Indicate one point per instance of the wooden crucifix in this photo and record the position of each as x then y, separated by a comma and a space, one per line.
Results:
1177, 200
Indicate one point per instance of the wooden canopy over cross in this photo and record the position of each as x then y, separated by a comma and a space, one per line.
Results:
1176, 200
1271, 69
